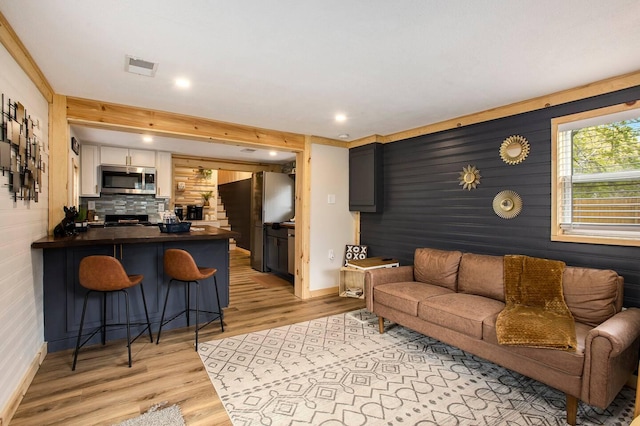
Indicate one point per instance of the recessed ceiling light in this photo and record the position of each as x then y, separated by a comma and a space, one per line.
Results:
340, 118
147, 139
182, 83
273, 153
343, 136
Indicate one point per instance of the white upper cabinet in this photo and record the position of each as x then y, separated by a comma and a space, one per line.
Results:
89, 162
127, 157
142, 158
163, 175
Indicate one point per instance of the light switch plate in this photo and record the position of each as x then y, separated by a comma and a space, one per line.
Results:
331, 198
91, 205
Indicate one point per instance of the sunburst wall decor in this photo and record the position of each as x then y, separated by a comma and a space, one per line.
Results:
469, 177
514, 149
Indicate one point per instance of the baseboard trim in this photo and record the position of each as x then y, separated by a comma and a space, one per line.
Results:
324, 292
12, 406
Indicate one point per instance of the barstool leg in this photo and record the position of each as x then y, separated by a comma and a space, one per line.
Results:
104, 319
166, 299
187, 299
126, 304
75, 353
197, 310
146, 313
215, 282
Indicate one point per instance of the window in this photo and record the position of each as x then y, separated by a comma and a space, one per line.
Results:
596, 176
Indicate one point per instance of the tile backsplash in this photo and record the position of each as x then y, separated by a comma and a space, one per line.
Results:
125, 204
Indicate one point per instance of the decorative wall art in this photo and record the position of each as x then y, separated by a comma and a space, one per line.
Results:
75, 146
514, 149
21, 151
507, 204
469, 177
354, 252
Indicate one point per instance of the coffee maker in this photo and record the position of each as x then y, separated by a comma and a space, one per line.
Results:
194, 212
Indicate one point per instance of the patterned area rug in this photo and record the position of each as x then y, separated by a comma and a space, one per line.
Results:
157, 416
339, 370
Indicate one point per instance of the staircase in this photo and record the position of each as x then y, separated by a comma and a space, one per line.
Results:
223, 222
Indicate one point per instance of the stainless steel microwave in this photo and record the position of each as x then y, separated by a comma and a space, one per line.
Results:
127, 180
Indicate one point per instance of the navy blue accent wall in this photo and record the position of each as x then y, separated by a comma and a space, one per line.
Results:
424, 205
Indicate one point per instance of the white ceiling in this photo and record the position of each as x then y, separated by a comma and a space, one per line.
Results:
291, 65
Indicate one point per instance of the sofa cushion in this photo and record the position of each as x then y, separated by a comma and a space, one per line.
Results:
405, 296
592, 295
437, 267
460, 312
568, 362
482, 275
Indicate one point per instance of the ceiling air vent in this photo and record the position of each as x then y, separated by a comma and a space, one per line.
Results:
140, 66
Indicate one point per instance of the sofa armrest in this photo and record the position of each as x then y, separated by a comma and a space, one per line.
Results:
383, 276
621, 330
611, 356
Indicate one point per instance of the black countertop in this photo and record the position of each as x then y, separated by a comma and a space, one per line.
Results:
133, 234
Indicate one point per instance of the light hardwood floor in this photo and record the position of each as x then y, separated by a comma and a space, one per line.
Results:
103, 391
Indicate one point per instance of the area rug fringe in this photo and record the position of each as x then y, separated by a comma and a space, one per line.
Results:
340, 370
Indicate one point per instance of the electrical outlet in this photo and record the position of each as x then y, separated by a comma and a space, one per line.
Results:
91, 205
331, 255
160, 206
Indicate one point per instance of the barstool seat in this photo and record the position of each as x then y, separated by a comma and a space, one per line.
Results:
105, 274
180, 266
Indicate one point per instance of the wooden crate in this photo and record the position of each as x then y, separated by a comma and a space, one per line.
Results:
351, 278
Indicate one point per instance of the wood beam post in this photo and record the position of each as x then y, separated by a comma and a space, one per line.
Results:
303, 221
59, 142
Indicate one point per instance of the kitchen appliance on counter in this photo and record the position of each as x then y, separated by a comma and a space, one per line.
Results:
179, 212
272, 201
127, 220
127, 180
194, 212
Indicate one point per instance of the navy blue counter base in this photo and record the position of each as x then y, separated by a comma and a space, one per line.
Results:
63, 294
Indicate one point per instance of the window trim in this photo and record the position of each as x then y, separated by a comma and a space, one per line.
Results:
557, 232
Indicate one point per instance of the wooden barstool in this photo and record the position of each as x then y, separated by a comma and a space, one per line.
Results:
180, 266
105, 274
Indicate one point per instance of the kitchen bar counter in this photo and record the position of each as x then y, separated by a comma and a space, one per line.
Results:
140, 249
133, 234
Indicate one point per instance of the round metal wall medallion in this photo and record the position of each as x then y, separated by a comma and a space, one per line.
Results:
507, 204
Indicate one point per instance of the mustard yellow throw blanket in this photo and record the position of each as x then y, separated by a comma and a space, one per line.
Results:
535, 314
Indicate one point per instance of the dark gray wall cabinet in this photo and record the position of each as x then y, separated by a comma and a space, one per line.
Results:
366, 178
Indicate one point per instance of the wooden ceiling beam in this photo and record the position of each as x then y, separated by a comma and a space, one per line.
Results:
162, 122
601, 87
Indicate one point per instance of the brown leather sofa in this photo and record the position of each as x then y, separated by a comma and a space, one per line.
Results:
456, 298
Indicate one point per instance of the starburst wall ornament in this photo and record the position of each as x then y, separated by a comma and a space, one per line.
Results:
469, 177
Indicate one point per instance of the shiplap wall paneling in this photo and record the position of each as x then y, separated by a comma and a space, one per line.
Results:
424, 205
21, 281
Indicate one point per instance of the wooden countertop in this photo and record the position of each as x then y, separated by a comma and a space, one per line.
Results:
131, 235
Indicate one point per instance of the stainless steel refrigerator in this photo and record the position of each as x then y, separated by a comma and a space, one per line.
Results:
272, 201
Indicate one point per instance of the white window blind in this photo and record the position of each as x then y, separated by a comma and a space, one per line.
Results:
598, 173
